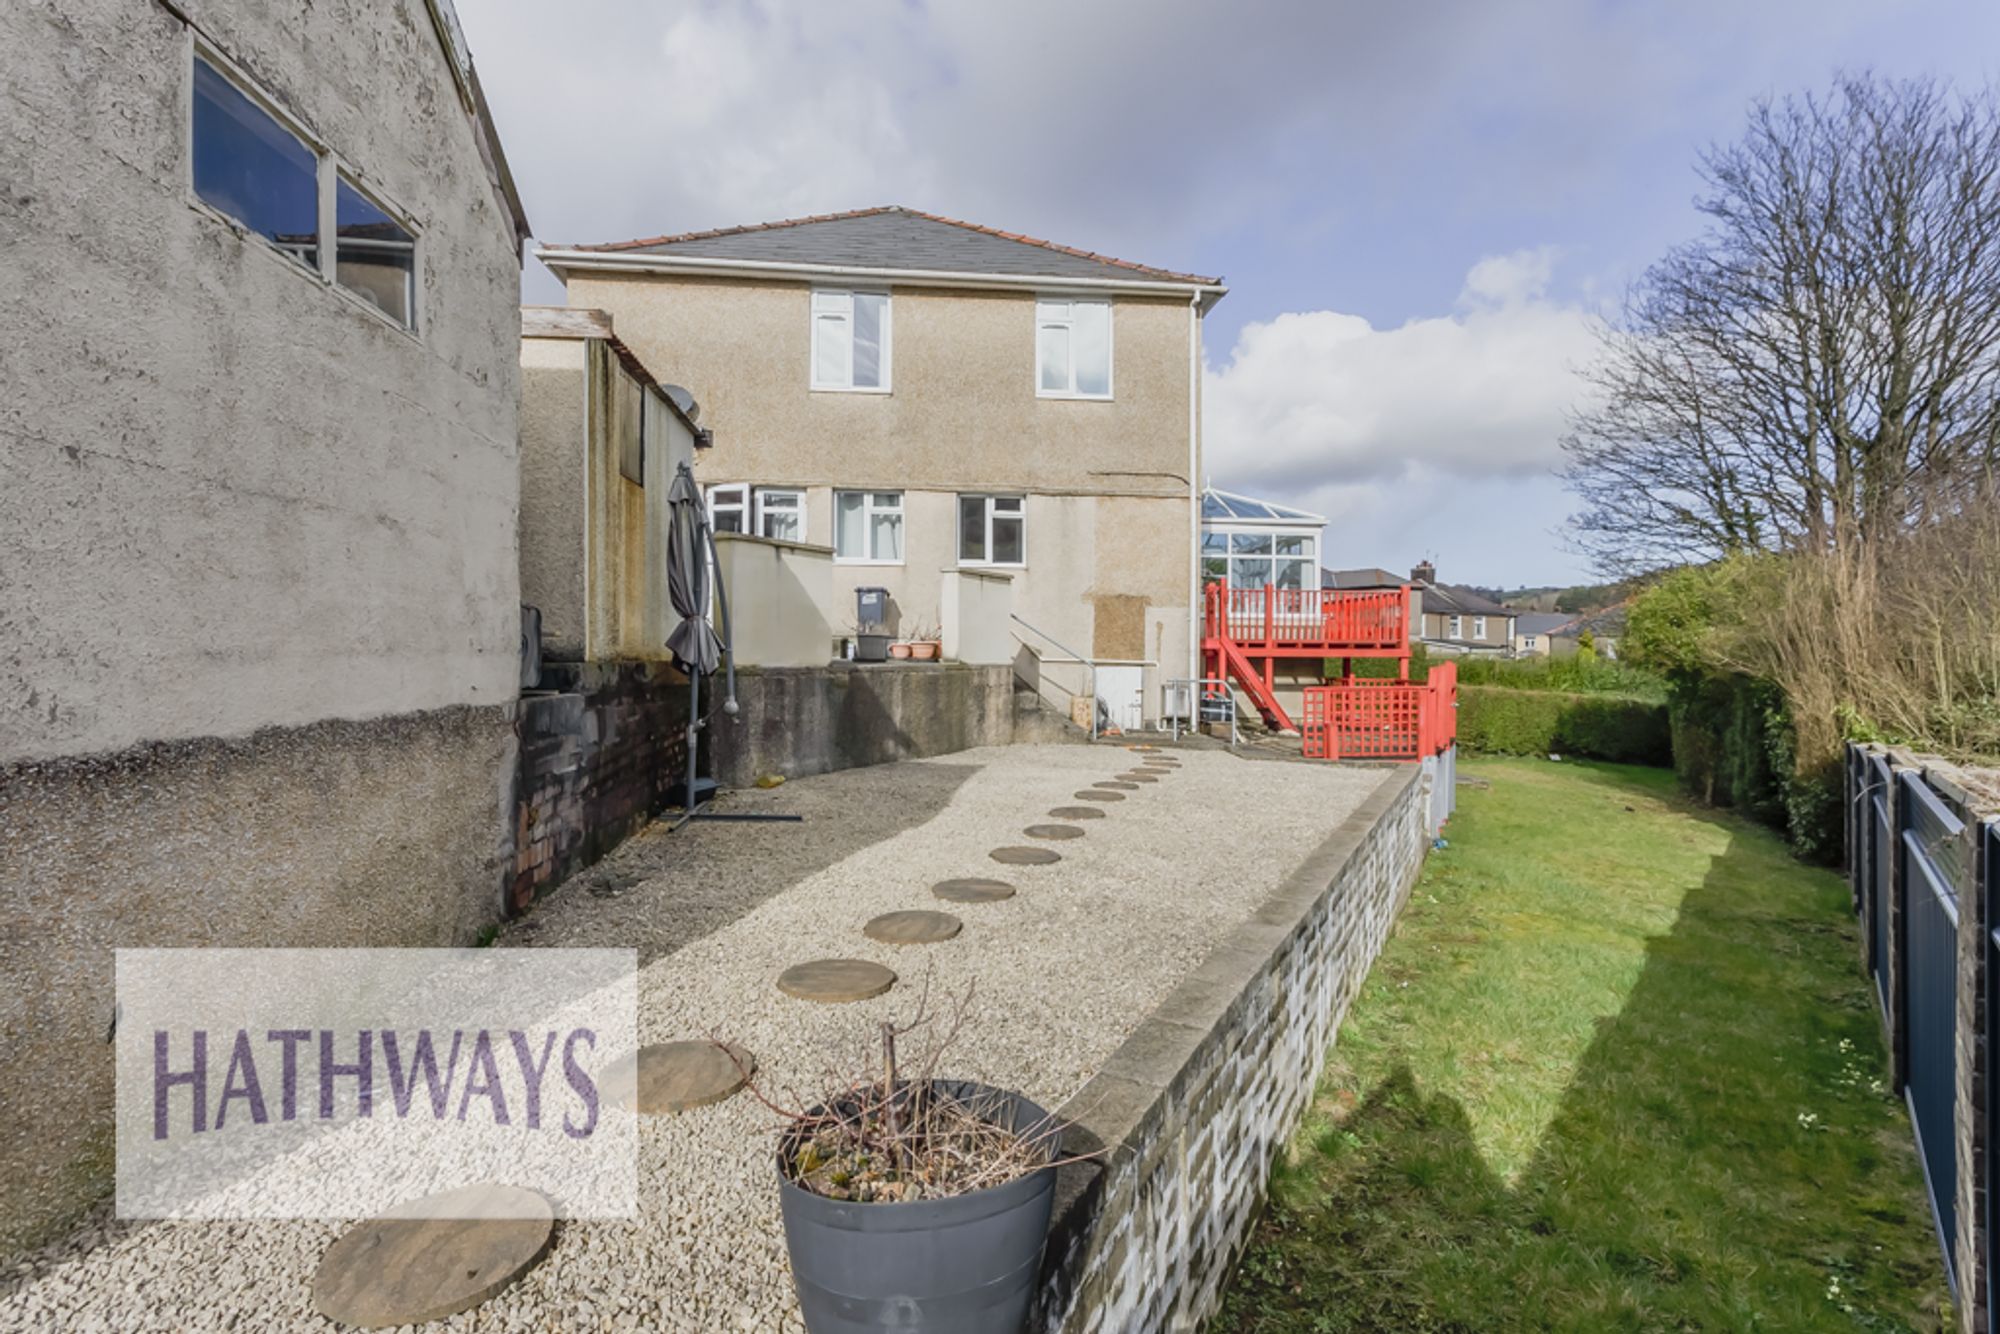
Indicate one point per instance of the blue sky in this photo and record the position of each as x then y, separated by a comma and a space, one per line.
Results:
1419, 207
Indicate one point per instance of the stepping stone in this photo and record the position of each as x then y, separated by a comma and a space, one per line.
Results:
973, 890
1077, 813
832, 981
668, 1077
1092, 794
1026, 856
1055, 831
1149, 750
915, 927
1139, 776
432, 1257
1117, 785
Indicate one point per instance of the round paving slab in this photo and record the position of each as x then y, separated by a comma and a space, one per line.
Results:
1026, 856
1117, 785
669, 1077
1092, 794
1053, 831
973, 890
432, 1257
915, 927
831, 981
1077, 813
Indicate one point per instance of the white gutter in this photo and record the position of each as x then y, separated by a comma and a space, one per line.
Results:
612, 261
1194, 499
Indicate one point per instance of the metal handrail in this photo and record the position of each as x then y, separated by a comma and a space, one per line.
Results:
1092, 665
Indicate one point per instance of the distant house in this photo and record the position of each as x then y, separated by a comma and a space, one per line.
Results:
1605, 629
1534, 631
1456, 620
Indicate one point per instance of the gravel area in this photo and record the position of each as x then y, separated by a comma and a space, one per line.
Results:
1064, 971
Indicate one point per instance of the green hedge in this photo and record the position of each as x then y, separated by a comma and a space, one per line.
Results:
1733, 746
1503, 721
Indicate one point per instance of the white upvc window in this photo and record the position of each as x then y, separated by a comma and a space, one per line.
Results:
1072, 348
1479, 627
729, 508
1454, 628
781, 514
992, 530
850, 341
262, 171
1527, 642
868, 527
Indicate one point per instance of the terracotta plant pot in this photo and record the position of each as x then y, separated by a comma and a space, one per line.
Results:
924, 650
899, 650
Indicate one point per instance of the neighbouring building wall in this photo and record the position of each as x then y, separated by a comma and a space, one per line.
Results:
1109, 515
258, 598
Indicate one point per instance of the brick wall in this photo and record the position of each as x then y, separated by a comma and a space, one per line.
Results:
1189, 1112
596, 760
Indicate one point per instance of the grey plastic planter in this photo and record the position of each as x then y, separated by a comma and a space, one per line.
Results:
966, 1265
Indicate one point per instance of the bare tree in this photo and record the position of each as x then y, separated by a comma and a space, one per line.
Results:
1822, 365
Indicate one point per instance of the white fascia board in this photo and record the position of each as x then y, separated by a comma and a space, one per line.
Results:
611, 261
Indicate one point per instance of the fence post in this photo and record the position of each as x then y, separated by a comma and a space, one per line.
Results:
1896, 968
1972, 1121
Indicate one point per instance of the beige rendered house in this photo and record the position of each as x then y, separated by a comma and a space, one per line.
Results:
923, 395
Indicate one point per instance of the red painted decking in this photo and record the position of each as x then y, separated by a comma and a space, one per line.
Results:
1246, 630
1382, 720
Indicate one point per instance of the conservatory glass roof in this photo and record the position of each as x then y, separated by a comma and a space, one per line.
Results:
1227, 506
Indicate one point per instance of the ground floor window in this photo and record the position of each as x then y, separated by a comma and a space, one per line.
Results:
729, 508
868, 527
781, 514
992, 530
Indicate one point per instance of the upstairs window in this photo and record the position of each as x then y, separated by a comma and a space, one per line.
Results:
992, 530
375, 256
868, 527
253, 167
1073, 349
850, 341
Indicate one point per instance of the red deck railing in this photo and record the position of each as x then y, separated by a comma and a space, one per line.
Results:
1313, 622
1382, 720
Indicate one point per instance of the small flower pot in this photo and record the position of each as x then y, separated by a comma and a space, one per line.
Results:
899, 650
967, 1264
924, 650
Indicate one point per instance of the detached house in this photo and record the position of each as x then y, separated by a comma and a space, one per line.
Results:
1457, 620
926, 396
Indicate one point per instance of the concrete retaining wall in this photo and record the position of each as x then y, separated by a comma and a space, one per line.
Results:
1188, 1113
391, 832
814, 720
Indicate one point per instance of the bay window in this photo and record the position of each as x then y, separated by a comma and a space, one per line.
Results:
850, 341
868, 527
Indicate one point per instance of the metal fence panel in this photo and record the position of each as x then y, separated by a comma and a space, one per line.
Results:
1929, 848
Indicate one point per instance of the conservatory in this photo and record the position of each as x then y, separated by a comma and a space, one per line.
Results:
1249, 543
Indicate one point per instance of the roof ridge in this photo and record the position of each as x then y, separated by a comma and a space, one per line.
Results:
1020, 238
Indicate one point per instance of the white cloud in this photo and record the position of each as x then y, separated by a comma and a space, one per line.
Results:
1317, 399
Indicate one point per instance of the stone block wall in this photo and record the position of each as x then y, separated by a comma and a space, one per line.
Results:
597, 757
1188, 1114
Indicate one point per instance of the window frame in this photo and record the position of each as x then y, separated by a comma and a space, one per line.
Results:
869, 510
888, 340
329, 170
990, 499
1479, 627
760, 498
1110, 348
713, 501
1454, 627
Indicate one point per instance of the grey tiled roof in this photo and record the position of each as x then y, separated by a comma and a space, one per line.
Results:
897, 238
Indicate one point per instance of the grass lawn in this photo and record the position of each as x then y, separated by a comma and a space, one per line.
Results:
1616, 1070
